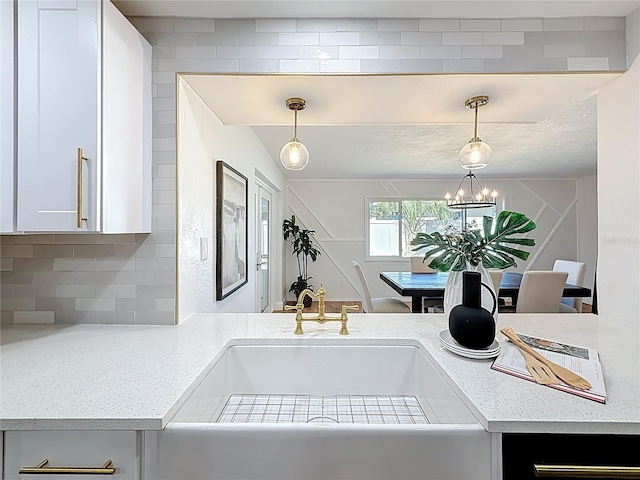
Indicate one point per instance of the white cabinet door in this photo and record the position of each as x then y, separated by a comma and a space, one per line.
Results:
58, 113
7, 112
74, 449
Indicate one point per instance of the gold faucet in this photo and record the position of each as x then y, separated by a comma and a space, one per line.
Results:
321, 317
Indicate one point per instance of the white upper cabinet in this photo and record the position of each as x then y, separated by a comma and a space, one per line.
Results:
7, 117
84, 116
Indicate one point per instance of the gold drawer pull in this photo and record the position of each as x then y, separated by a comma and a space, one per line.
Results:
42, 468
586, 471
79, 212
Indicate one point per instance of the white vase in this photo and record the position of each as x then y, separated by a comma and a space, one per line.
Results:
453, 290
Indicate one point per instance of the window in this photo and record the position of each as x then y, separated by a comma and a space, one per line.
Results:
392, 224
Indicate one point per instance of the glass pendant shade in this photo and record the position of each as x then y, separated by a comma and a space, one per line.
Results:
475, 154
294, 155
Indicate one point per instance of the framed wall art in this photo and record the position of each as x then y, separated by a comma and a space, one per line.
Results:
231, 230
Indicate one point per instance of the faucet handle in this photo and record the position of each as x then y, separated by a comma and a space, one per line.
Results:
291, 307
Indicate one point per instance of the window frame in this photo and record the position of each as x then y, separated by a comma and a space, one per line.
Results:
399, 258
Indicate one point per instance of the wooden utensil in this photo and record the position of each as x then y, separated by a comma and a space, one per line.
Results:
540, 372
567, 376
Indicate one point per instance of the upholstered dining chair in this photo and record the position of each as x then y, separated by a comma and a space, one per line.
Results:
541, 291
377, 305
576, 271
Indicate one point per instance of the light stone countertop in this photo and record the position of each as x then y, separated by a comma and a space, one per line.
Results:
120, 377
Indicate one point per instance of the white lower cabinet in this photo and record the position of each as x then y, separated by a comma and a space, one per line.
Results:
72, 450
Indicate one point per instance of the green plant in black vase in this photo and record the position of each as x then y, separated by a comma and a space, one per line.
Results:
302, 245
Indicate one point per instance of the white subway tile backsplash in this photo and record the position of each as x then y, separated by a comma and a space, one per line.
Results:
214, 39
13, 251
234, 25
462, 38
379, 38
421, 38
299, 38
218, 65
193, 25
114, 264
95, 304
278, 52
480, 25
399, 52
484, 51
165, 304
564, 50
356, 25
339, 38
522, 25
316, 25
195, 51
75, 291
503, 38
441, 51
19, 303
275, 25
172, 39
605, 23
39, 317
369, 52
587, 64
299, 66
562, 24
94, 278
41, 239
398, 24
134, 276
73, 264
439, 25
235, 52
116, 291
258, 38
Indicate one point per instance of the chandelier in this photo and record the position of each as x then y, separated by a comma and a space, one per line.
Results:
474, 155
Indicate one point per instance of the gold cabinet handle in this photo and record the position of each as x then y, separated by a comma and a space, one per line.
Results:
80, 159
43, 469
586, 471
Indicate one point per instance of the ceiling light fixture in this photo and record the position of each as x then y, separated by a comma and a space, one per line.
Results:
294, 155
471, 194
476, 153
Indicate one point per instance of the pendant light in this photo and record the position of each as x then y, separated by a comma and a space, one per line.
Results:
476, 153
294, 155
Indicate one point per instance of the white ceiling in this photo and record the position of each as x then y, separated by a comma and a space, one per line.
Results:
398, 126
409, 126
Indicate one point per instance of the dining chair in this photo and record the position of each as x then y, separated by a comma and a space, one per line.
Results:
576, 271
380, 304
541, 291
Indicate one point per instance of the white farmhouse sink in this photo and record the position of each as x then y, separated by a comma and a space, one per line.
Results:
441, 441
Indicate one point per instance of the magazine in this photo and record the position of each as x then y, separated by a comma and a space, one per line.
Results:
581, 360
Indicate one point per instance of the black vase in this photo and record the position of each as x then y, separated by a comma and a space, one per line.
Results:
469, 324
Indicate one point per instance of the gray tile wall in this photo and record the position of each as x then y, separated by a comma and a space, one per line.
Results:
131, 278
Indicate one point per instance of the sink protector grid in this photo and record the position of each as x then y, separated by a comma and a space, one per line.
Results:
363, 409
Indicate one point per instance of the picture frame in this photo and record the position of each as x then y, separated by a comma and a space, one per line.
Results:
231, 230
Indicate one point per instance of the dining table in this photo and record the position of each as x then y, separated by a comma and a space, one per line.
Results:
432, 285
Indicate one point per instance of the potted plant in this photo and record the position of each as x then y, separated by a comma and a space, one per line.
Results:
301, 241
493, 246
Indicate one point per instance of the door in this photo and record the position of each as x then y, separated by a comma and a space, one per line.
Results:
58, 80
263, 258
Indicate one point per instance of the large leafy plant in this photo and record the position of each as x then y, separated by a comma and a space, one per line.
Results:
493, 246
302, 246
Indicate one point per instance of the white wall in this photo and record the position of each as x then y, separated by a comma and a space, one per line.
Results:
587, 194
337, 211
203, 139
633, 36
618, 275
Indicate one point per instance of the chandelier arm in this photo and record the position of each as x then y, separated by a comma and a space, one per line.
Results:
461, 182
